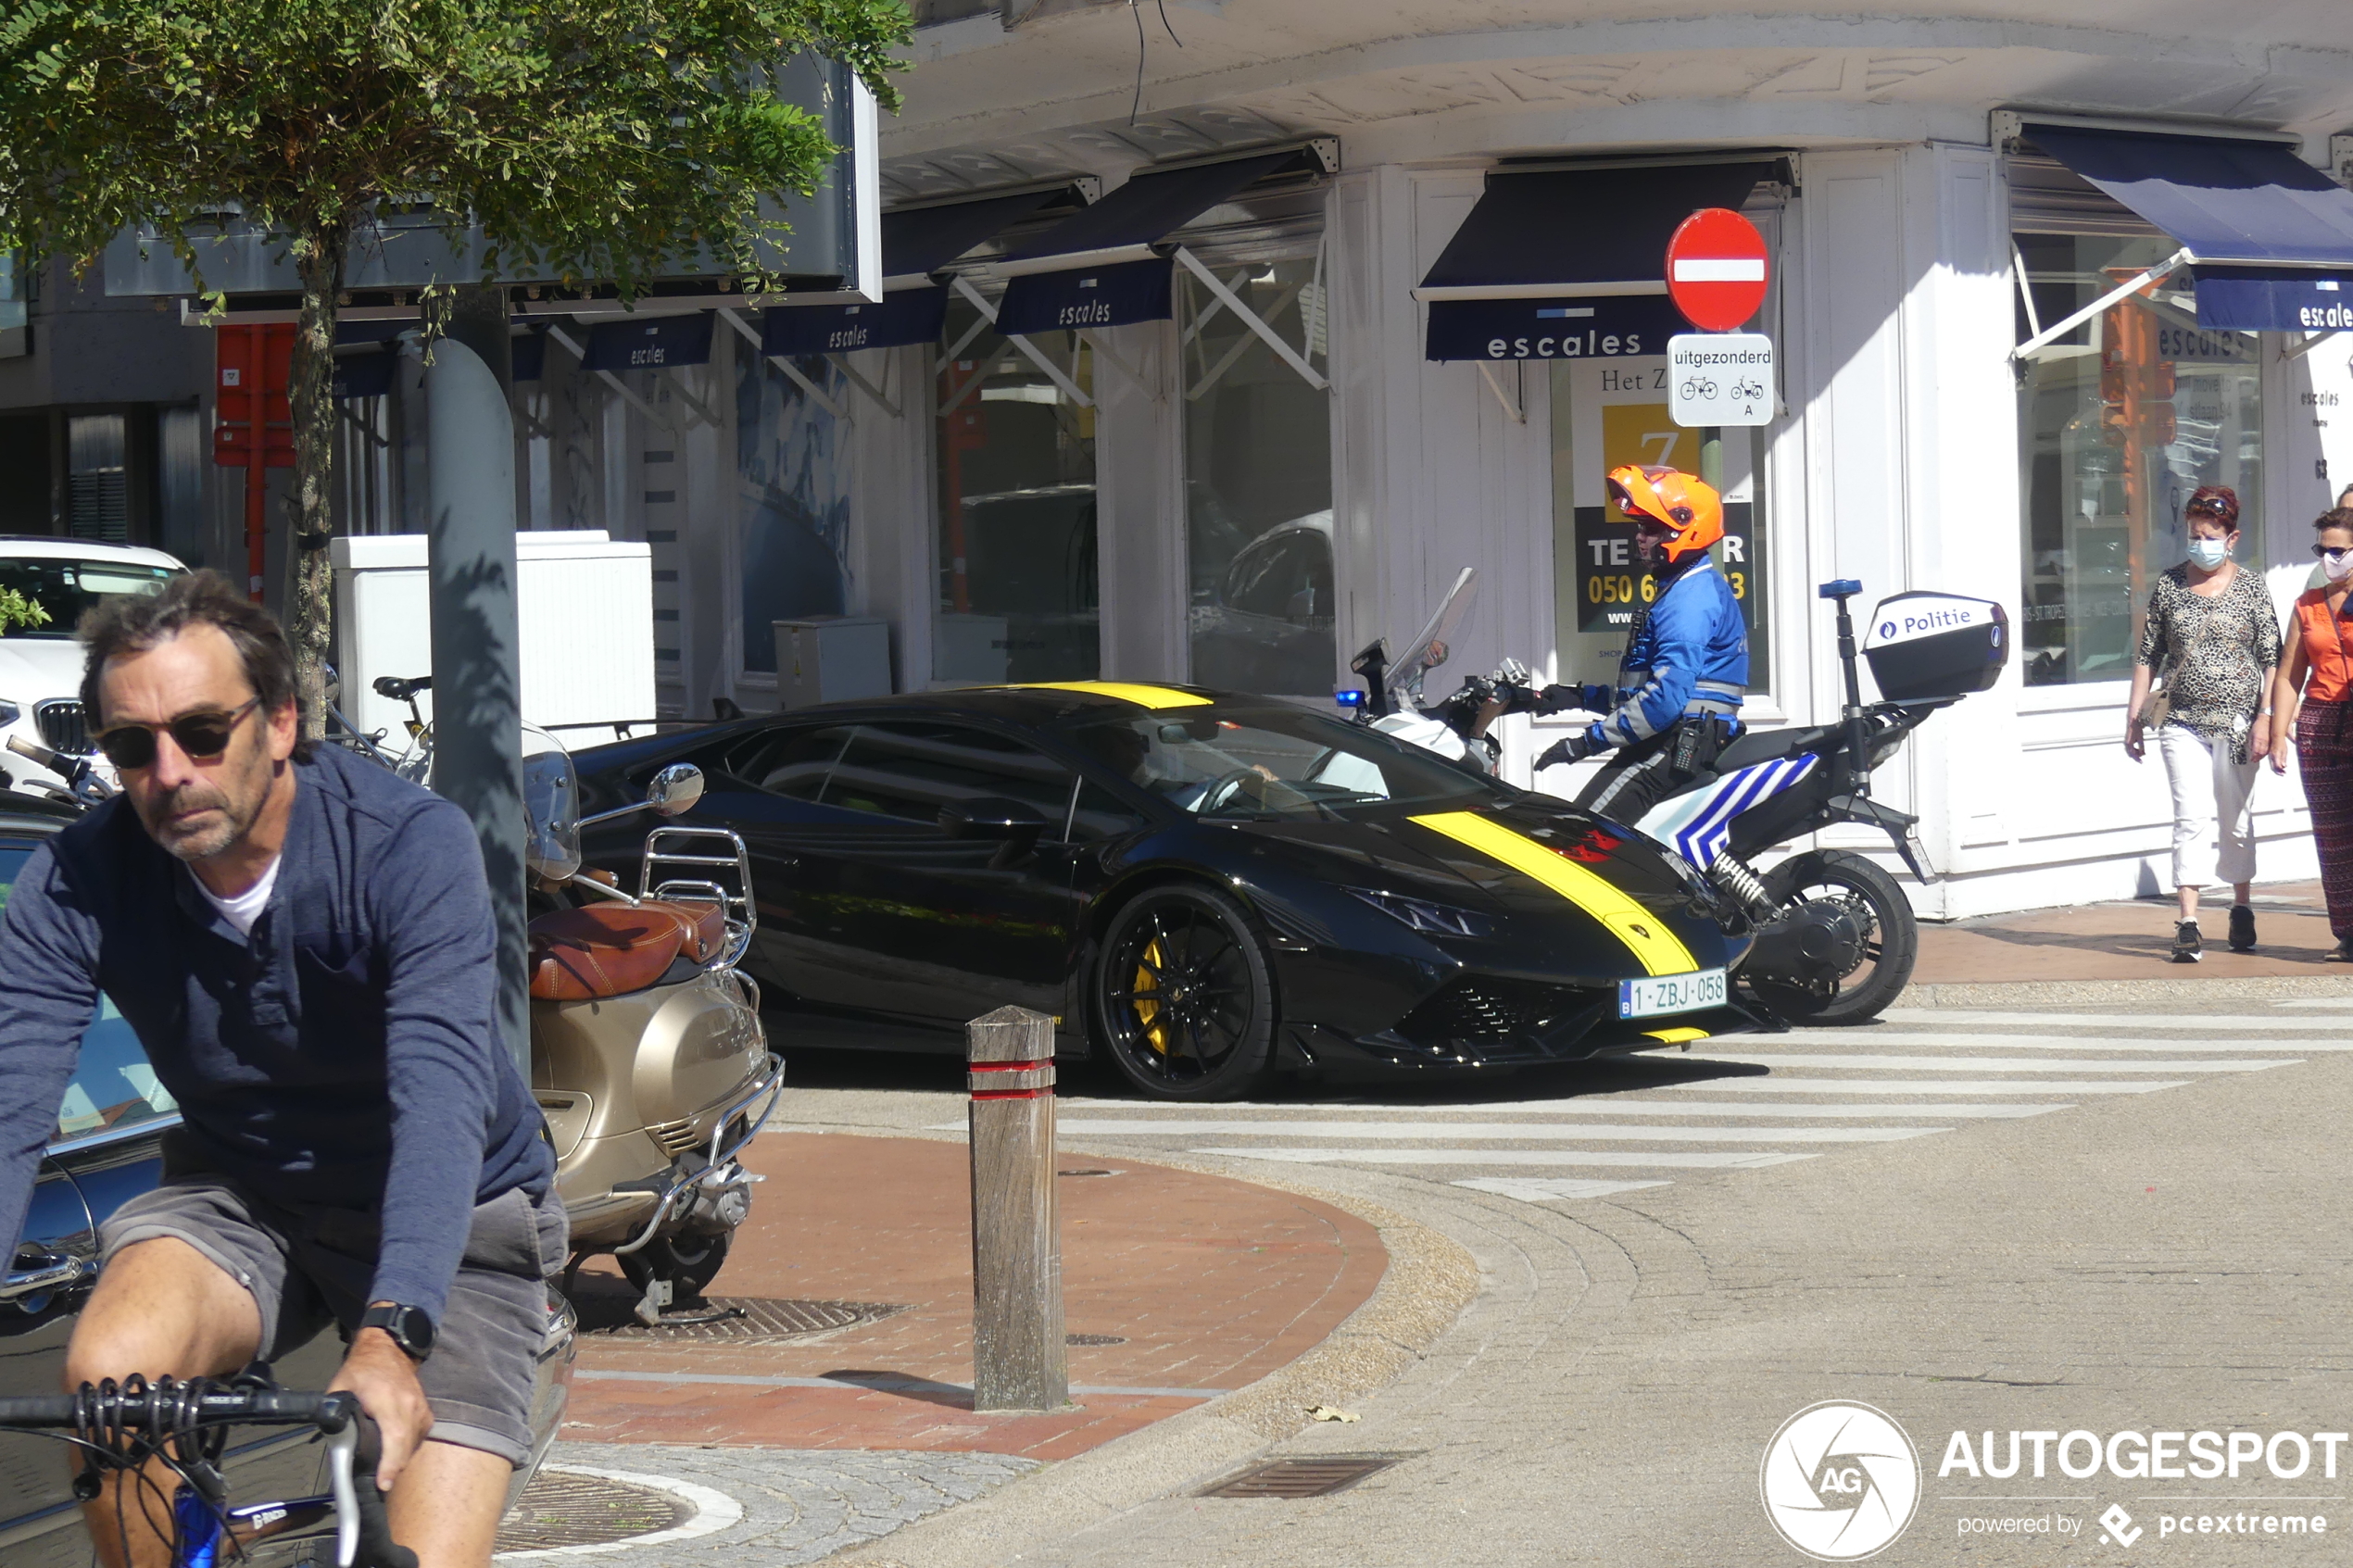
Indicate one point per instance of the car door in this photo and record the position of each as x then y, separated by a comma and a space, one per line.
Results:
889, 917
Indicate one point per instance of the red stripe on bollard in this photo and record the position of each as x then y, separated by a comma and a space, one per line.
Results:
1008, 1066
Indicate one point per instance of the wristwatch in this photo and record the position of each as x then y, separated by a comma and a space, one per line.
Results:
409, 1328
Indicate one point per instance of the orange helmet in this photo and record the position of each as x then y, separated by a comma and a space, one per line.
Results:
1680, 503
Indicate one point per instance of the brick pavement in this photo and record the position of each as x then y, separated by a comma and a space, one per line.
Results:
2129, 940
1211, 1283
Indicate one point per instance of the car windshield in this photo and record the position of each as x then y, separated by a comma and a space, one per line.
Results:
64, 588
1274, 761
112, 1085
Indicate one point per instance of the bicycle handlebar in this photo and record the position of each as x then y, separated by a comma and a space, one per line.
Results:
363, 1533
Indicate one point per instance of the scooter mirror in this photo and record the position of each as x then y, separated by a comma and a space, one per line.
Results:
674, 790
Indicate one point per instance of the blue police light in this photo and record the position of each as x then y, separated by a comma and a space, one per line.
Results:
1351, 697
1844, 588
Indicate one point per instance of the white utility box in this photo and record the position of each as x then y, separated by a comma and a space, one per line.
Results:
586, 603
831, 658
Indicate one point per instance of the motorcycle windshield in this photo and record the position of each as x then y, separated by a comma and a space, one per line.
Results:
1437, 641
551, 807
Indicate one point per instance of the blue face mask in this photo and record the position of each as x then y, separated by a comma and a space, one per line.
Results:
2207, 554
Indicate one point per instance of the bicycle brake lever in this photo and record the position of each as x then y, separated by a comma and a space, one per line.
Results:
341, 1447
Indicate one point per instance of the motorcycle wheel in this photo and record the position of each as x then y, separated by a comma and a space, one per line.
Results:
1891, 940
689, 1260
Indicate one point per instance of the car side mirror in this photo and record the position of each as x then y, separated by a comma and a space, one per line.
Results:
1302, 606
674, 790
993, 818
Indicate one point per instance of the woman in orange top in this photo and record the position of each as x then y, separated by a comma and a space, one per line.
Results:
2322, 650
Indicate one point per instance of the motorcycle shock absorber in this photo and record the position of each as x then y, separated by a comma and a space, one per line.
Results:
1733, 874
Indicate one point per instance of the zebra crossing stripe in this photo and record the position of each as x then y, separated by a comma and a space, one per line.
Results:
1764, 1085
1974, 1063
1711, 1159
1547, 1189
1598, 1132
2220, 1023
2035, 1041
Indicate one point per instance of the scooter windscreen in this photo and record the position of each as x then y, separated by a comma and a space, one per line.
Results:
1436, 643
551, 807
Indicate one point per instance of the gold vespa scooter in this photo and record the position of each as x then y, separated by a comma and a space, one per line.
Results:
648, 1057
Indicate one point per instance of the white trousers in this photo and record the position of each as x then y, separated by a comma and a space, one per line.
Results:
2213, 811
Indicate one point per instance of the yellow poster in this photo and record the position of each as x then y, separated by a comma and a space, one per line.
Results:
1641, 434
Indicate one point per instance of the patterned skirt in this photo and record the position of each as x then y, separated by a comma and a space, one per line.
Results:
2325, 755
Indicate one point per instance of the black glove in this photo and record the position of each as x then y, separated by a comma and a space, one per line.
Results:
1573, 748
1590, 697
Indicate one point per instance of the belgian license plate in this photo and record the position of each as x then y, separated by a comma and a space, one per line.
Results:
1657, 994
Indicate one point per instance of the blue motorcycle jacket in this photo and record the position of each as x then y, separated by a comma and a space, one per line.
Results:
1688, 658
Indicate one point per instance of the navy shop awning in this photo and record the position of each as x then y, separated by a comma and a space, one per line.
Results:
2269, 237
916, 246
1105, 266
650, 343
1572, 263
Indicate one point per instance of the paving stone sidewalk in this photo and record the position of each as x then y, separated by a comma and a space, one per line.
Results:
798, 1506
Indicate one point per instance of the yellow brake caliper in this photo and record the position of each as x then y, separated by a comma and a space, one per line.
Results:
1155, 1034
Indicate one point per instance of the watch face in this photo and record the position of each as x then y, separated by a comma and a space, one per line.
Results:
415, 1329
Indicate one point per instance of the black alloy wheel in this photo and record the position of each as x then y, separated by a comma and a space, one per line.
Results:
1882, 963
1182, 995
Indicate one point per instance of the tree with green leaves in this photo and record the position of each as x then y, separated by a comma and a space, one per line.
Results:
599, 140
16, 609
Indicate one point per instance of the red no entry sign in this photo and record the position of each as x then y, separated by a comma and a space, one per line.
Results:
1716, 269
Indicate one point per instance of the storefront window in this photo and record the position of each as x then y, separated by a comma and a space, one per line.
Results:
2119, 422
1608, 412
1258, 491
1016, 549
792, 505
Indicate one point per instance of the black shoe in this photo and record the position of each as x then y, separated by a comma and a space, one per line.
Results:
2187, 948
2242, 929
2341, 953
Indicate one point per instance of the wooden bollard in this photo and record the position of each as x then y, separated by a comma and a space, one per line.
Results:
1020, 1359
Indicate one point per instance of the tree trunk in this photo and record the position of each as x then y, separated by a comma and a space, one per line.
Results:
319, 253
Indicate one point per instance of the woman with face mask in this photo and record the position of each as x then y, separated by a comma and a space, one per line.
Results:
2317, 677
2211, 635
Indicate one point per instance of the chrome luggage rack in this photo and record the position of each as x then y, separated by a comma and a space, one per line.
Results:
693, 850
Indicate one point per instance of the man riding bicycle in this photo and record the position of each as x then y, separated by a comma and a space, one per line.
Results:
304, 943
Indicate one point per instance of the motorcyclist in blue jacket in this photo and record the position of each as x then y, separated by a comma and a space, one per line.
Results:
1685, 670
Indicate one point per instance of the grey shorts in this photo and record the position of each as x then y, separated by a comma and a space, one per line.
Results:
308, 1267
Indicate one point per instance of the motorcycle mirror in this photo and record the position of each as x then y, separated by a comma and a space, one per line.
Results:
674, 790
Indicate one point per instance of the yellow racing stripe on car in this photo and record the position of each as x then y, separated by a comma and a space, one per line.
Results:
1142, 697
1646, 935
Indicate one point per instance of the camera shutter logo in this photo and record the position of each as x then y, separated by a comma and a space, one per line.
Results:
1840, 1481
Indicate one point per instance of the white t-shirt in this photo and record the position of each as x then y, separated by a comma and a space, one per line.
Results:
245, 908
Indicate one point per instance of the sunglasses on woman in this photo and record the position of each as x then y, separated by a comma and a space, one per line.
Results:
200, 737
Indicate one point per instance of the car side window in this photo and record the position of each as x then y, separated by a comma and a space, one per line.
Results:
908, 769
793, 763
1099, 814
112, 1085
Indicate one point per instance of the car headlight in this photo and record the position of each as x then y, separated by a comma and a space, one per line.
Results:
1420, 914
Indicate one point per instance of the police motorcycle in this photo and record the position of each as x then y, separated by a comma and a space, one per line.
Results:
1835, 935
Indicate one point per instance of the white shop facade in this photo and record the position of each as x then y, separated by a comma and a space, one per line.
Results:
1226, 406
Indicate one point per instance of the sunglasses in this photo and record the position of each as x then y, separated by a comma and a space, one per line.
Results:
200, 737
2332, 552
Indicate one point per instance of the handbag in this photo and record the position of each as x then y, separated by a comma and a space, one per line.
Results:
2157, 708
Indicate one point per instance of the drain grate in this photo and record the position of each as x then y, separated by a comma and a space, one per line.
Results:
560, 1510
1317, 1477
1086, 1173
1093, 1339
747, 1320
